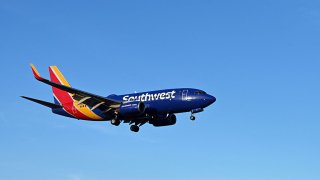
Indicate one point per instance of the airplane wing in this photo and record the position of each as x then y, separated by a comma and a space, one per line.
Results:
92, 100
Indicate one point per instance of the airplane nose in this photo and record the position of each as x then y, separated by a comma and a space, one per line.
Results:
211, 99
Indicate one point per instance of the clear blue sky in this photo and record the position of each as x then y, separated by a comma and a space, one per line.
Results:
261, 60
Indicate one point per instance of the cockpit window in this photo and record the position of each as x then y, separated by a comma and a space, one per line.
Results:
200, 92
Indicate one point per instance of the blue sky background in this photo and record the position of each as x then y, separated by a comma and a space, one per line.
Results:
259, 58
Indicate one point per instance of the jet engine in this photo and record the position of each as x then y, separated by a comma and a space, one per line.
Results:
132, 108
168, 120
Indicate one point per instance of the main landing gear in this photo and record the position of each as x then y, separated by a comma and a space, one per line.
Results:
135, 124
192, 117
115, 122
134, 128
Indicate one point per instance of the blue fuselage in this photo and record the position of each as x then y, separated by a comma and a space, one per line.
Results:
169, 100
161, 102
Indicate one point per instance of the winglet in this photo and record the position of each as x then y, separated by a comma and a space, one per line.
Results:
35, 72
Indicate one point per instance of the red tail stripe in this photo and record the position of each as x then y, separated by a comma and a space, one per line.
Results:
65, 98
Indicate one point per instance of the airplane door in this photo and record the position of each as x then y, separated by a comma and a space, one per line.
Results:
185, 95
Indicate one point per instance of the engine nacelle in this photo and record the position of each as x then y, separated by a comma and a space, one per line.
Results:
168, 120
132, 108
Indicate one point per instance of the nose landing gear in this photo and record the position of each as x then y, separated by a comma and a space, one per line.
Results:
193, 111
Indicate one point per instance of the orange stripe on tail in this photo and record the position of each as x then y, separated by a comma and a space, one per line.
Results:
35, 72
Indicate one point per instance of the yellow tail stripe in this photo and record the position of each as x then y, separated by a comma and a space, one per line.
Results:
86, 111
34, 69
60, 76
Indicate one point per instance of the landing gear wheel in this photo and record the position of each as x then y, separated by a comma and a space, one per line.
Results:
192, 117
115, 122
134, 128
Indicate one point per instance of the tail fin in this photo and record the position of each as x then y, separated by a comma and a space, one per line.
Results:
61, 97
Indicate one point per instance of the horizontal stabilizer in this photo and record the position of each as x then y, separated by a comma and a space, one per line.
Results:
44, 103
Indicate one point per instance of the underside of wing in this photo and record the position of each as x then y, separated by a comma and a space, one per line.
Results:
95, 103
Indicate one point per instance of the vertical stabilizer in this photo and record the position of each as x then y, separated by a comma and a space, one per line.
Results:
61, 96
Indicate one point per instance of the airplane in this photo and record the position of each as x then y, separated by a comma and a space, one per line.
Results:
154, 107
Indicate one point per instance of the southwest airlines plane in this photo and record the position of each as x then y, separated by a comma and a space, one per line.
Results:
154, 107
